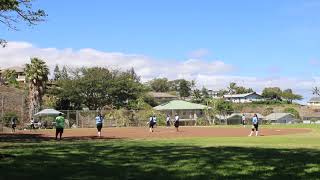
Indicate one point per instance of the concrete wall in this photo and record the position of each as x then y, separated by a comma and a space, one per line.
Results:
248, 99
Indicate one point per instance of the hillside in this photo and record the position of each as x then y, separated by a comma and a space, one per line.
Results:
266, 109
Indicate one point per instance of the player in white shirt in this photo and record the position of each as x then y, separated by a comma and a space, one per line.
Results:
176, 122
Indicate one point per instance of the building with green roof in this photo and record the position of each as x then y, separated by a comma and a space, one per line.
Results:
186, 110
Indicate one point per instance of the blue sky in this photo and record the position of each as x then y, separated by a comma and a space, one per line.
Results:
261, 39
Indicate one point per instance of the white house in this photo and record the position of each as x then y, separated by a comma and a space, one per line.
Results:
243, 98
280, 118
314, 102
20, 73
236, 118
213, 94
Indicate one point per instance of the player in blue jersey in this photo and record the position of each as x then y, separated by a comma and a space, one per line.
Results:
255, 125
151, 123
99, 123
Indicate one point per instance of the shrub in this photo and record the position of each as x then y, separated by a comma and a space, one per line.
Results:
267, 111
270, 102
202, 122
144, 115
293, 111
6, 119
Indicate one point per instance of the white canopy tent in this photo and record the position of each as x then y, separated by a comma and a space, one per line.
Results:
50, 113
47, 112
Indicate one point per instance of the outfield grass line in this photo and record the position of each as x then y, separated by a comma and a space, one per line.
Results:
295, 156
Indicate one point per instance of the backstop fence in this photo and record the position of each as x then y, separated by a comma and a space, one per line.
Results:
138, 118
12, 104
112, 118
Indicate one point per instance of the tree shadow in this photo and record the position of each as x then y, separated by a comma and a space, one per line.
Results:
37, 138
131, 160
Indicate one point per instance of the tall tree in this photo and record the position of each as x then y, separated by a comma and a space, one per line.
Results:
64, 73
292, 111
10, 77
124, 90
205, 93
93, 87
223, 108
222, 92
184, 88
133, 75
197, 96
97, 87
13, 12
273, 93
232, 88
160, 84
174, 85
290, 96
37, 75
56, 73
193, 84
2, 80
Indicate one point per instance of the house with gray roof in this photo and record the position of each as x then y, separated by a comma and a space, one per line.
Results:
243, 98
236, 118
162, 97
280, 118
314, 102
20, 72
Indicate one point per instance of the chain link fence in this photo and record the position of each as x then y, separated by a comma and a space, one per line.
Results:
112, 118
130, 118
12, 105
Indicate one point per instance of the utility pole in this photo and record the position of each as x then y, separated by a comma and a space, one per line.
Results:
2, 104
22, 109
2, 122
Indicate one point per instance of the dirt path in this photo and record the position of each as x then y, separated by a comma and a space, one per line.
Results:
161, 132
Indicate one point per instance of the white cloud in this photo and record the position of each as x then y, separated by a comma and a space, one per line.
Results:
213, 75
314, 62
199, 53
18, 53
221, 81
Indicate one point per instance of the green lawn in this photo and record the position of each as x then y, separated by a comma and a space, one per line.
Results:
276, 157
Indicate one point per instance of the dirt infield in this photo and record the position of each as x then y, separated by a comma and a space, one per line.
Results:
161, 132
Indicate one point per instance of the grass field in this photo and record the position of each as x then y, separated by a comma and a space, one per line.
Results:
274, 157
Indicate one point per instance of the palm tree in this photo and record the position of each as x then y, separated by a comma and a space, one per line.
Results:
232, 88
197, 96
10, 77
36, 75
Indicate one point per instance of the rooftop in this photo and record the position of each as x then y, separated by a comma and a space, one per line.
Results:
162, 95
315, 99
277, 115
239, 95
180, 105
247, 115
18, 69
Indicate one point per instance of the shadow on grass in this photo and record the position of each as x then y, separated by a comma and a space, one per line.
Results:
139, 160
36, 138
